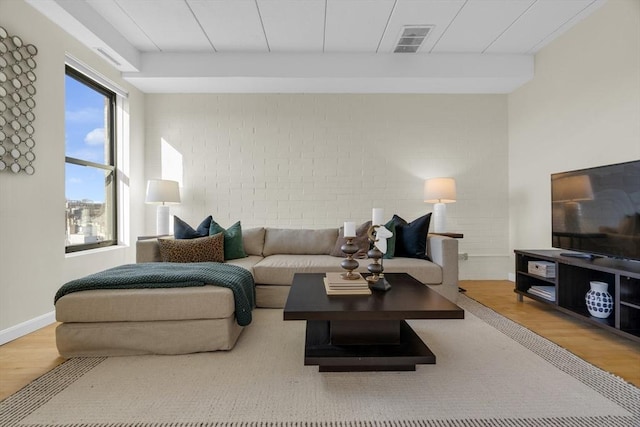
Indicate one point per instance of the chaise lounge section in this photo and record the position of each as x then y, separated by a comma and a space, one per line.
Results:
129, 322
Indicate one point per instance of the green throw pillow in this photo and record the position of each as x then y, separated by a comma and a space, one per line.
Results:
233, 246
391, 241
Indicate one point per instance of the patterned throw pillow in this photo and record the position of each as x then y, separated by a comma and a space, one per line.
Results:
200, 249
361, 241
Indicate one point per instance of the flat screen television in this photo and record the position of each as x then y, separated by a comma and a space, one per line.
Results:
596, 211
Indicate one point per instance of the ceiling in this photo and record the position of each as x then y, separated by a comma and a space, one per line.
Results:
318, 46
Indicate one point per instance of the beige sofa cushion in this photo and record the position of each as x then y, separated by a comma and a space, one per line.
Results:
299, 241
279, 269
253, 240
247, 263
122, 305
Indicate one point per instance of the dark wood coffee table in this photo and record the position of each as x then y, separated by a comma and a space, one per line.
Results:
366, 332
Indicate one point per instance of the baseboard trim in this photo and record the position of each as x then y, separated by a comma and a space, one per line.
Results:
24, 328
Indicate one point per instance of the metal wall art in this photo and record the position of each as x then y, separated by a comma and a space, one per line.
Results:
17, 102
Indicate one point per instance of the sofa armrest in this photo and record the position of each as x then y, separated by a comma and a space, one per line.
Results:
443, 251
148, 250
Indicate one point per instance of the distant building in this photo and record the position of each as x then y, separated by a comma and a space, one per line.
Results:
86, 222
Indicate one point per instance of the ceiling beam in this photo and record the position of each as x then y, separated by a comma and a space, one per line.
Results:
331, 73
83, 23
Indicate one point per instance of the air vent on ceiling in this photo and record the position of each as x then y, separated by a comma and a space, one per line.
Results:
411, 39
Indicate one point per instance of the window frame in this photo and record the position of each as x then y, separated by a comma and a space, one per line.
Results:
112, 161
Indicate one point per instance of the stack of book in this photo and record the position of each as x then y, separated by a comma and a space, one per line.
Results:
334, 284
546, 292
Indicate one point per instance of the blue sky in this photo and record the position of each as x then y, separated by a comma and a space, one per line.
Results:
84, 139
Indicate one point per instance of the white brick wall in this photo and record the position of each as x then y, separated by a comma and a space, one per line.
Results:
318, 160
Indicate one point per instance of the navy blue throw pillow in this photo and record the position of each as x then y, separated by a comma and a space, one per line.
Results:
411, 238
182, 230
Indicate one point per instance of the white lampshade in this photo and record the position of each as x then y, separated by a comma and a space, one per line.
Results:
440, 190
572, 189
162, 191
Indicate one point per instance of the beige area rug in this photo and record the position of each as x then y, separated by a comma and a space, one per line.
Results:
489, 372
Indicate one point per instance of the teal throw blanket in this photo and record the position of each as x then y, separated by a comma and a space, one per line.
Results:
173, 275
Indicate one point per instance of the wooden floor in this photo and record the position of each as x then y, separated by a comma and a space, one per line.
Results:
25, 359
601, 348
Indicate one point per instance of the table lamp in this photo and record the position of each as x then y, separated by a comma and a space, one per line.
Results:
162, 192
440, 191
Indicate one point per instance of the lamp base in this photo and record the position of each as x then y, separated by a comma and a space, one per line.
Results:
162, 220
440, 218
572, 216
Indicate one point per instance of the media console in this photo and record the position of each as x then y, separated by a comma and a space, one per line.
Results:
571, 283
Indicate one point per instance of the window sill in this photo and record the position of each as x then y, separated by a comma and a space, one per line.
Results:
95, 251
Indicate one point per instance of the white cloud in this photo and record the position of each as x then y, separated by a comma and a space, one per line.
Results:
95, 137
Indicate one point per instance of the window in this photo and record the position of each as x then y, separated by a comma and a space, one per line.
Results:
90, 169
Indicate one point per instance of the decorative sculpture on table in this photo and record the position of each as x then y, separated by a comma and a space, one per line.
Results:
378, 236
349, 248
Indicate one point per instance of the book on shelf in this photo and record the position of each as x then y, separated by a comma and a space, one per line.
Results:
543, 290
542, 268
546, 292
357, 290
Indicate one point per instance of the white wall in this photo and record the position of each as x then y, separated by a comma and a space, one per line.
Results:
33, 264
582, 109
317, 160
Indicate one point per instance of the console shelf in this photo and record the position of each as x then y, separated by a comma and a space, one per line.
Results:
571, 283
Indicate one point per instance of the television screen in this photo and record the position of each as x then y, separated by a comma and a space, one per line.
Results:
597, 210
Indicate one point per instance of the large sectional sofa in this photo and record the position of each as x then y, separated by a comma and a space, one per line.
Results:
196, 319
276, 254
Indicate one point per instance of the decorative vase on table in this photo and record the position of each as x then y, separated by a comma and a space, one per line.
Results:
599, 301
